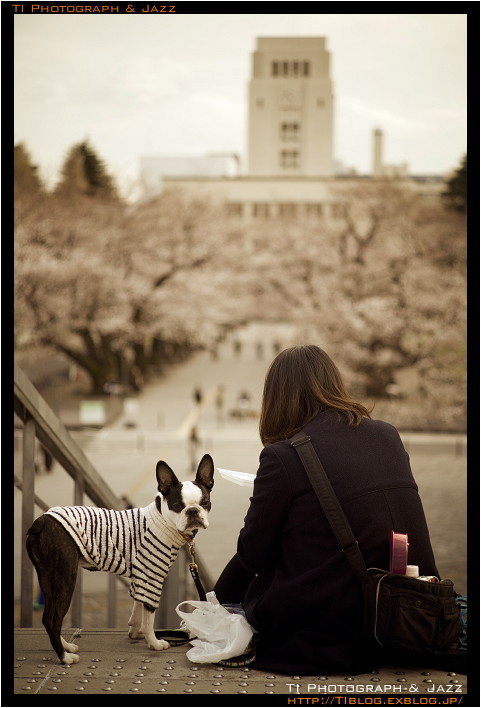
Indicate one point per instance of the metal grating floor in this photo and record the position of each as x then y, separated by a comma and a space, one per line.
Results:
110, 662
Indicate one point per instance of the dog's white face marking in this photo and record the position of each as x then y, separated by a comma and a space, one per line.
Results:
191, 493
190, 515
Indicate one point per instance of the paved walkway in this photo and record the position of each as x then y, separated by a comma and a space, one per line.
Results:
112, 663
156, 425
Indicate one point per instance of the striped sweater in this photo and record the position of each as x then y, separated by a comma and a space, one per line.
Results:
136, 543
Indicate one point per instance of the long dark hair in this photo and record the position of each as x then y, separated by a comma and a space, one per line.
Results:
301, 382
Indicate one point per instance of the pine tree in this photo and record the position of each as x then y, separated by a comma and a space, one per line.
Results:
26, 182
455, 196
84, 173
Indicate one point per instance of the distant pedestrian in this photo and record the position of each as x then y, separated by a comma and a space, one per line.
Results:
393, 390
39, 603
259, 350
243, 401
106, 388
237, 347
48, 459
126, 502
193, 444
197, 395
276, 347
137, 378
219, 402
43, 459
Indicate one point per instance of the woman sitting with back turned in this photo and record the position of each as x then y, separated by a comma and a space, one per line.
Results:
296, 586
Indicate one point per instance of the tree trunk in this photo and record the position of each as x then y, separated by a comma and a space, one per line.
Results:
158, 355
98, 361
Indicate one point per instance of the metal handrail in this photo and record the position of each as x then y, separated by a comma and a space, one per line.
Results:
39, 421
51, 432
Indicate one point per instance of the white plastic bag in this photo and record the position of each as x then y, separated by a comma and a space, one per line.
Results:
244, 479
219, 634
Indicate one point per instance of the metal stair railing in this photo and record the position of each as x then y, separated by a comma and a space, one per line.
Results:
39, 421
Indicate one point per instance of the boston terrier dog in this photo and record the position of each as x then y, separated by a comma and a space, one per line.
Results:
140, 544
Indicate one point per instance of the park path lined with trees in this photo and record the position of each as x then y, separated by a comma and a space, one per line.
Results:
125, 290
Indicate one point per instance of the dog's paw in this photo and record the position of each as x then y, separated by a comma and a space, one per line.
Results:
70, 658
135, 633
158, 644
72, 648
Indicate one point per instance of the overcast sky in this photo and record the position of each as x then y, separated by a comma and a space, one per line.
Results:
177, 85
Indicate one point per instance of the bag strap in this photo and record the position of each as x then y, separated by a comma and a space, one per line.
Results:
330, 503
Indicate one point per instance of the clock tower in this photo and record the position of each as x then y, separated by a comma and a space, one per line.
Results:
290, 108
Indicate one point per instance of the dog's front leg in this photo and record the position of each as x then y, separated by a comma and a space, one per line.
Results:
135, 621
147, 630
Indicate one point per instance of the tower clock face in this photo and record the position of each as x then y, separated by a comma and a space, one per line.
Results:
289, 98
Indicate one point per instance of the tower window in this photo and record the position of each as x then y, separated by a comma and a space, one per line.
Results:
290, 132
290, 68
289, 158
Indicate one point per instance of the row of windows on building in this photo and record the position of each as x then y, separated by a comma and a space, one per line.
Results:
285, 210
260, 103
290, 132
290, 68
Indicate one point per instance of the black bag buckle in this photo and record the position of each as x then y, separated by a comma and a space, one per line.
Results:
350, 548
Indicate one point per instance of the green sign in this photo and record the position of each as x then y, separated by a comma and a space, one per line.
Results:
92, 412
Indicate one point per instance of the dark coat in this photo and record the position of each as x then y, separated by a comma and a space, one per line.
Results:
305, 602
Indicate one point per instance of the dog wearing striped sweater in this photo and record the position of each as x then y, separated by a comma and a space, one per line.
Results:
140, 544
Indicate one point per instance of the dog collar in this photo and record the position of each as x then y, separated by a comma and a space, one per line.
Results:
186, 537
189, 539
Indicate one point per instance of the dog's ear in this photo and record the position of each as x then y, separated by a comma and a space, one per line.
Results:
166, 478
205, 472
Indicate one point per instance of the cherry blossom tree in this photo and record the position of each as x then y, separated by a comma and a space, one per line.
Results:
381, 287
68, 290
120, 288
402, 303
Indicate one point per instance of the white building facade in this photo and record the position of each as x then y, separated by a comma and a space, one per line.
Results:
290, 108
290, 144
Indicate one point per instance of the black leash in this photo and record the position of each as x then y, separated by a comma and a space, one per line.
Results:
175, 637
194, 571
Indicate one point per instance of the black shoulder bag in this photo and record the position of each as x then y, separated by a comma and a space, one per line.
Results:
403, 615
